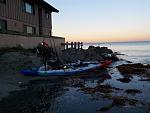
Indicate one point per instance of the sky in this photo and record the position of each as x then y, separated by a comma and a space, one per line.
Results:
101, 20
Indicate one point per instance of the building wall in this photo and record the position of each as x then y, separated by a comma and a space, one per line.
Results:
16, 17
9, 40
47, 23
17, 26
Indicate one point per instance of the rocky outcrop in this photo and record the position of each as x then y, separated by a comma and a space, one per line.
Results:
90, 54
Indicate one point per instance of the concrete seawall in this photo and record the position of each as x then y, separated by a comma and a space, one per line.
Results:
11, 40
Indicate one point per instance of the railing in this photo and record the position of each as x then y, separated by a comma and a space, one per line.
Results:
73, 45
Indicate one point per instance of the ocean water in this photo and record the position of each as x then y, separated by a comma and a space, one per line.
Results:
138, 52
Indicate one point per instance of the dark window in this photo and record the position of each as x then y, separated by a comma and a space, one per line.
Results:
29, 8
2, 1
29, 29
3, 25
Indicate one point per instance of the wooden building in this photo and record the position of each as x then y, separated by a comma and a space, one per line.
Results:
27, 22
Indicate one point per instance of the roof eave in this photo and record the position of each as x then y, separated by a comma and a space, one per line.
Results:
55, 10
51, 7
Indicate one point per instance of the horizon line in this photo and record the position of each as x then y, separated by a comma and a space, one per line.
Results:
117, 42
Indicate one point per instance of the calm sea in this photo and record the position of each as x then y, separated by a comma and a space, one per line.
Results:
133, 51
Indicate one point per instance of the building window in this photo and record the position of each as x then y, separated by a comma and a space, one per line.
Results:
3, 25
2, 1
29, 29
29, 8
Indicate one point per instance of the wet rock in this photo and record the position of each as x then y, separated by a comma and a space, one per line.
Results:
128, 70
108, 96
133, 91
100, 88
90, 54
128, 61
133, 68
103, 78
122, 101
106, 108
23, 85
76, 82
145, 80
124, 80
118, 53
119, 101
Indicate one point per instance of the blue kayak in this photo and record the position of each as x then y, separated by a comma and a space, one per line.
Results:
65, 72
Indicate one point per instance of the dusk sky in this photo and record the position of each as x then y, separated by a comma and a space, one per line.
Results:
102, 20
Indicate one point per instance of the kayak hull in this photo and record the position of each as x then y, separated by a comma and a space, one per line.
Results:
66, 72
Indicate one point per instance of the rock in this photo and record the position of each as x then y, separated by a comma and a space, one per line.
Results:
117, 53
119, 101
99, 88
104, 77
133, 91
106, 108
131, 69
76, 82
148, 79
122, 101
128, 61
124, 80
90, 54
